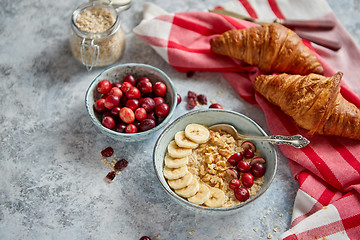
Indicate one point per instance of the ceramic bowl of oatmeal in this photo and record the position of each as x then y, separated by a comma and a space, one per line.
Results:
130, 102
211, 171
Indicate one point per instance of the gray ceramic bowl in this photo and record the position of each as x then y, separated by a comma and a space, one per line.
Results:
116, 74
208, 118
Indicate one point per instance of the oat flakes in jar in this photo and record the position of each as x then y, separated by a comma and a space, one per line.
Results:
97, 38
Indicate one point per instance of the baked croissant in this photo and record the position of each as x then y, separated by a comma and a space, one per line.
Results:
313, 101
271, 47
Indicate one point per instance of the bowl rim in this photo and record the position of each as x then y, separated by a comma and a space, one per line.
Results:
210, 209
97, 123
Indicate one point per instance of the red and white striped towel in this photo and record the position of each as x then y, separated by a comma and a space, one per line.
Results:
327, 204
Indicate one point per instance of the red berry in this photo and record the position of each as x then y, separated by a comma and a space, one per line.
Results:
112, 101
125, 86
152, 115
110, 176
216, 105
178, 98
147, 103
133, 92
116, 92
162, 110
233, 172
243, 166
140, 114
103, 86
235, 158
120, 165
159, 89
145, 86
115, 112
120, 127
131, 128
234, 183
191, 103
147, 124
202, 99
99, 105
127, 115
191, 94
249, 153
143, 78
133, 104
247, 145
189, 74
108, 122
145, 238
116, 84
158, 100
107, 152
130, 79
242, 194
247, 180
258, 169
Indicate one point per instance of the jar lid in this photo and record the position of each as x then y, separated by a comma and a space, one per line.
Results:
119, 5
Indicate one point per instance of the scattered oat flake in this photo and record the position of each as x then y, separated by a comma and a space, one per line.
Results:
219, 92
269, 236
275, 229
158, 236
265, 216
191, 232
325, 207
255, 229
281, 215
90, 144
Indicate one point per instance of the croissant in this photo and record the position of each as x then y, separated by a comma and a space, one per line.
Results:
270, 47
313, 101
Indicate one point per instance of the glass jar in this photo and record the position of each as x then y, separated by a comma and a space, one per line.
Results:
97, 38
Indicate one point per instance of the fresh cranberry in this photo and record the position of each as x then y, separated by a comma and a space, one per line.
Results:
116, 92
120, 127
158, 100
123, 100
201, 99
116, 84
107, 152
127, 115
162, 110
179, 99
133, 92
130, 79
152, 115
143, 78
242, 194
243, 166
216, 105
235, 158
145, 238
233, 172
103, 86
125, 86
133, 104
191, 103
145, 86
140, 114
147, 103
247, 180
110, 176
147, 124
234, 183
99, 105
108, 122
120, 165
159, 89
115, 112
112, 101
131, 128
258, 169
247, 145
249, 153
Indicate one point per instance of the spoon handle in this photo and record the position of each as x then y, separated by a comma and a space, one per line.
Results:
297, 141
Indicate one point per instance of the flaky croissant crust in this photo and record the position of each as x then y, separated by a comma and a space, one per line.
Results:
271, 47
313, 101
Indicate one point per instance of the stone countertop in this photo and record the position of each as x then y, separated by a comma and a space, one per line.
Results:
51, 173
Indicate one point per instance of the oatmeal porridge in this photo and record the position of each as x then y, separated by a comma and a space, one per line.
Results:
211, 168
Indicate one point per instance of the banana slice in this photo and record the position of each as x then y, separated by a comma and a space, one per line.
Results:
201, 196
197, 133
217, 198
175, 173
181, 182
189, 190
182, 141
177, 152
175, 162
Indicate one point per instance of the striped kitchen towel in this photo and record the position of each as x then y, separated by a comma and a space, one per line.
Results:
327, 205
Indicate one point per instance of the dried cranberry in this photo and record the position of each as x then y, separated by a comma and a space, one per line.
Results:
145, 238
202, 99
191, 103
189, 74
110, 176
120, 165
107, 152
191, 94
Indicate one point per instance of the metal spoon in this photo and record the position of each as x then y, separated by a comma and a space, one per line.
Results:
297, 141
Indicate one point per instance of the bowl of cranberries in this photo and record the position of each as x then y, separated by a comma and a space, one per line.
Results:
129, 102
247, 168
